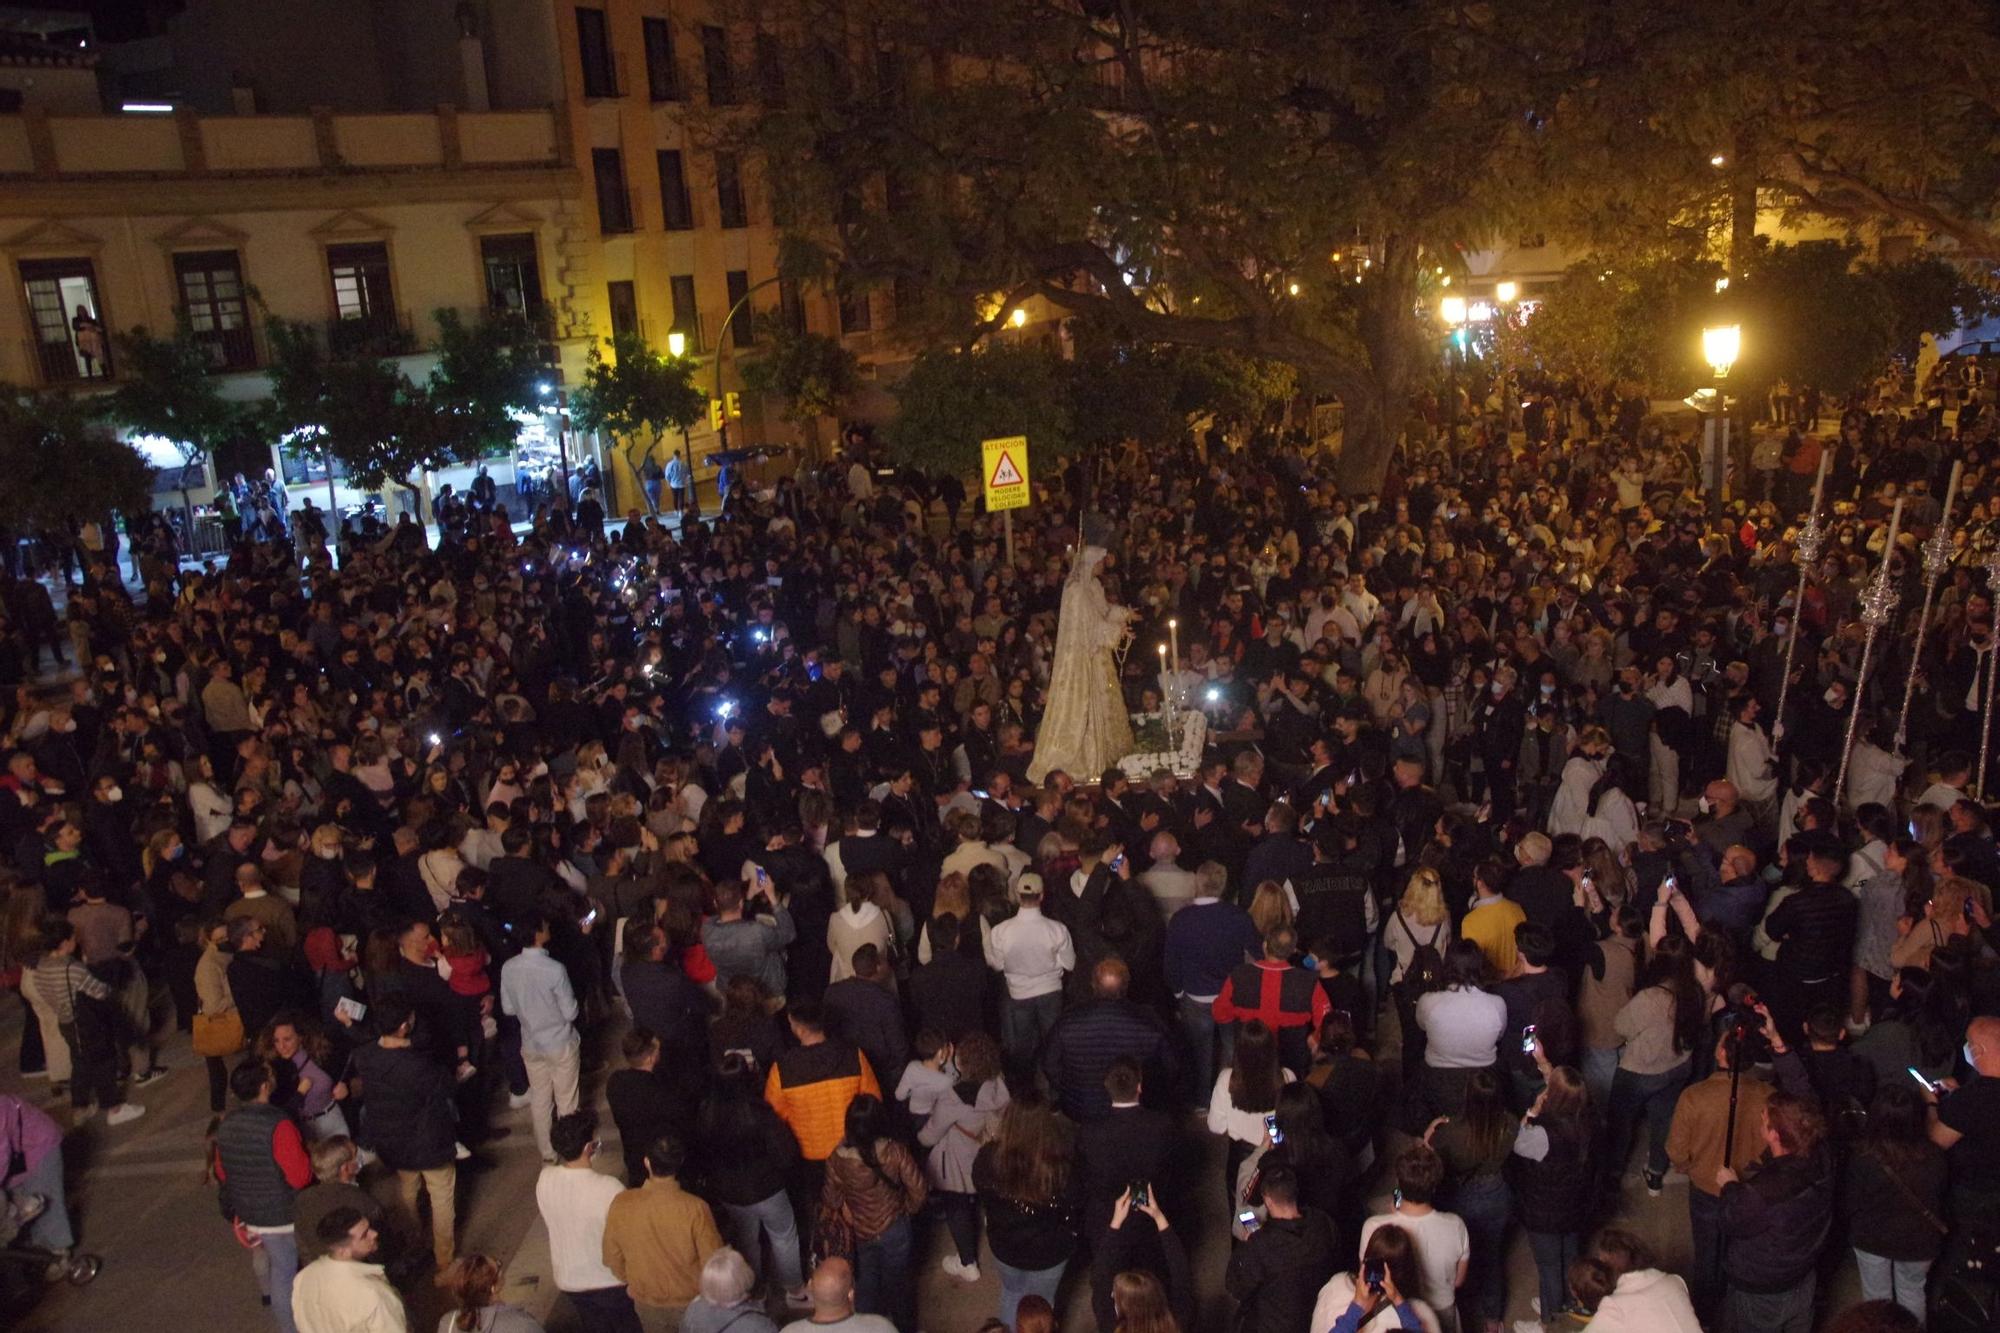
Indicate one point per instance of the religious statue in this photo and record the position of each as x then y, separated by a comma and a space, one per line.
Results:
1086, 728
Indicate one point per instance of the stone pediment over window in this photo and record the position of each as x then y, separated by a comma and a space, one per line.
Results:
350, 224
202, 233
52, 236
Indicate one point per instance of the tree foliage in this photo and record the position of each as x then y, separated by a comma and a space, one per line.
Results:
950, 401
638, 394
1172, 171
61, 464
167, 391
811, 372
487, 372
1635, 323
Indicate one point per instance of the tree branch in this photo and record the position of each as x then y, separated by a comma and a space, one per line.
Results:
1844, 194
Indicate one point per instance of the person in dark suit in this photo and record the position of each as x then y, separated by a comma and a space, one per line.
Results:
662, 998
515, 881
863, 1010
1130, 1143
948, 993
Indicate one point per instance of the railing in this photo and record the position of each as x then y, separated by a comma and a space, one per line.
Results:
229, 349
60, 363
385, 334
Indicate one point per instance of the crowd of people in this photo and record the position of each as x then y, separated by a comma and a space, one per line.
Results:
1504, 890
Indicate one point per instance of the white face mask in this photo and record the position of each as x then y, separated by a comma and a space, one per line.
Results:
1703, 805
114, 794
1833, 699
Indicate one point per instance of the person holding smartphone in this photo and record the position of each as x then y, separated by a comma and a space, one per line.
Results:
1375, 1297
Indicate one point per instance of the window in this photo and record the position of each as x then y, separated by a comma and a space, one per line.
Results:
715, 60
729, 191
676, 210
513, 274
624, 310
855, 316
770, 70
687, 319
744, 328
70, 338
361, 287
212, 297
663, 76
791, 308
593, 46
614, 206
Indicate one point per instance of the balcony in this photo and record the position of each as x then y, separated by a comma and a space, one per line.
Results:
386, 334
59, 363
228, 349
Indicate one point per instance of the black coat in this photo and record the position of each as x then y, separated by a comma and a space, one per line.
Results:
663, 999
1086, 1039
1127, 1144
1776, 1220
409, 1121
949, 994
1275, 1276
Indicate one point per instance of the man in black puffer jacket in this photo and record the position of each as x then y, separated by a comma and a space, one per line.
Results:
1775, 1220
1085, 1040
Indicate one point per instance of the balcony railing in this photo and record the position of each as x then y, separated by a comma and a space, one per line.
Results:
228, 349
385, 334
60, 363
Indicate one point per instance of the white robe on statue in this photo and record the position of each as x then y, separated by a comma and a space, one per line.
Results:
1086, 728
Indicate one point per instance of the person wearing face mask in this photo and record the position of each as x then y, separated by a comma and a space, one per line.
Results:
1570, 808
1753, 761
1498, 724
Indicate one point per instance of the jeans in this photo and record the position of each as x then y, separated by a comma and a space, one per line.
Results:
1198, 1023
93, 1073
1554, 1251
281, 1255
961, 1218
1599, 1068
1018, 1282
1485, 1204
1898, 1280
50, 1231
883, 1284
552, 1082
1705, 1277
1634, 1095
606, 1310
1023, 1023
1788, 1311
441, 1183
772, 1217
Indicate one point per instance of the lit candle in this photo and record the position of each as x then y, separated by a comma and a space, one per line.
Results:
1174, 633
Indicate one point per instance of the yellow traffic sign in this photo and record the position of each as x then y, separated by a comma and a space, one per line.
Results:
1004, 469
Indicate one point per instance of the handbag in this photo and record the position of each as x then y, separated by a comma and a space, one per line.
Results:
217, 1035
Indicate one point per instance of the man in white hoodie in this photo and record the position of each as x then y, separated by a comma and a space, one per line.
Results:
1641, 1298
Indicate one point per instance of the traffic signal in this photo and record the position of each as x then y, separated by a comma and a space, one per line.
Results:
732, 405
715, 414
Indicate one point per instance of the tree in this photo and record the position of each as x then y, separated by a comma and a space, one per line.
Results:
56, 458
811, 372
639, 395
487, 372
168, 393
1634, 322
950, 401
1288, 182
295, 413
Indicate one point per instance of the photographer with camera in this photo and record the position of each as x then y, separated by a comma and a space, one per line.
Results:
1715, 1126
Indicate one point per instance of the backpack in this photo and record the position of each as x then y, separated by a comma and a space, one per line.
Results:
1426, 967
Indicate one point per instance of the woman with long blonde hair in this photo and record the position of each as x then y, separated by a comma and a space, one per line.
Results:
1419, 922
1269, 907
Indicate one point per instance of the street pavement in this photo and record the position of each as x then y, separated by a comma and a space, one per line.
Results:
141, 1200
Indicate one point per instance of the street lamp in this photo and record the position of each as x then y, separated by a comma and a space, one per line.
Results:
1018, 319
1505, 292
677, 344
1721, 344
1452, 311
